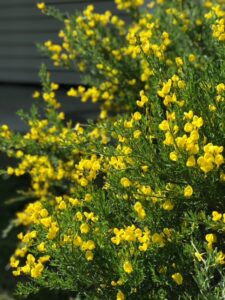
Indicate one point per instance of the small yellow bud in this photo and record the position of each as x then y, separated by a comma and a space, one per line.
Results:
127, 266
125, 182
216, 216
188, 191
178, 278
41, 5
136, 116
192, 58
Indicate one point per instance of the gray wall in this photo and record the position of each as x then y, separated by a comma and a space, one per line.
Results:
22, 25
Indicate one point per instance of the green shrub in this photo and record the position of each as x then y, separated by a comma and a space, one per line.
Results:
131, 206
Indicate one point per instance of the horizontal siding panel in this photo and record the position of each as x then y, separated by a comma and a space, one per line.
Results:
7, 3
22, 26
31, 77
18, 12
26, 63
71, 78
27, 38
25, 25
7, 13
17, 51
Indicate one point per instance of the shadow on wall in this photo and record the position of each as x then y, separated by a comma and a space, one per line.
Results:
16, 97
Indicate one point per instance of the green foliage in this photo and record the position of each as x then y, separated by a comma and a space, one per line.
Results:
132, 205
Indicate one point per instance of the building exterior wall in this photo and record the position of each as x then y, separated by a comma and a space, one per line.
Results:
22, 25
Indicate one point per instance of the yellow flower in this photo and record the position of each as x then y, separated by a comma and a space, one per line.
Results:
178, 278
89, 255
137, 206
212, 107
158, 239
36, 94
220, 258
30, 259
79, 216
17, 272
41, 247
83, 182
84, 228
54, 86
188, 115
62, 205
125, 182
14, 262
181, 84
164, 125
127, 266
77, 241
197, 121
37, 270
53, 230
211, 238
174, 156
41, 5
136, 116
168, 205
143, 247
191, 161
139, 209
179, 61
120, 296
10, 171
44, 259
188, 127
72, 93
220, 88
192, 58
216, 216
137, 134
188, 191
198, 256
88, 197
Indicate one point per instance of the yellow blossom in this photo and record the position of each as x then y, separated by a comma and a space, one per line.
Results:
89, 255
216, 216
168, 205
198, 256
125, 182
41, 5
84, 228
188, 191
120, 296
211, 238
127, 266
178, 278
179, 61
36, 94
136, 116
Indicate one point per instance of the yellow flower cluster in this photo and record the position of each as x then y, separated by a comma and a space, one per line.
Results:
219, 30
169, 97
127, 5
218, 27
144, 238
211, 159
5, 131
32, 267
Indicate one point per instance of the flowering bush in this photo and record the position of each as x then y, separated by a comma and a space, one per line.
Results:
132, 206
